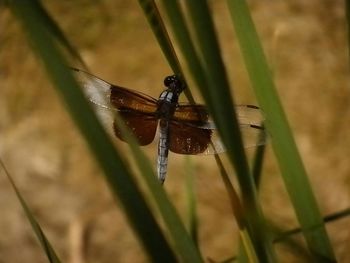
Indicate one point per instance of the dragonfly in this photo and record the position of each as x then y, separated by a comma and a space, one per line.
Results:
184, 128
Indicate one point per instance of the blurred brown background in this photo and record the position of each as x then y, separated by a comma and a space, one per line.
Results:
306, 43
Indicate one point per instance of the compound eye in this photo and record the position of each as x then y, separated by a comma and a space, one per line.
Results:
168, 80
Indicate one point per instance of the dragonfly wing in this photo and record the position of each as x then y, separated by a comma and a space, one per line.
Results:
252, 136
137, 109
142, 126
125, 99
188, 139
192, 132
95, 89
203, 138
114, 97
193, 113
249, 114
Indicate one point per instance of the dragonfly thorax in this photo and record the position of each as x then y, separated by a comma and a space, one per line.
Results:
167, 103
168, 99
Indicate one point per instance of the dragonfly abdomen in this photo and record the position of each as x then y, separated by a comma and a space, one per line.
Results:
163, 150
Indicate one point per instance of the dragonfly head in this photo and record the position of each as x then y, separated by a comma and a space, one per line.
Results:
174, 83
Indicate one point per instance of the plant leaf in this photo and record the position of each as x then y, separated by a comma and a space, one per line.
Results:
115, 170
291, 166
44, 242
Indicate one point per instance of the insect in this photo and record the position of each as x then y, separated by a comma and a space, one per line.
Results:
183, 128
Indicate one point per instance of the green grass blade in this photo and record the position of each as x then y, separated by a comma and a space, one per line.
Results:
258, 160
115, 170
289, 160
237, 209
191, 201
233, 196
219, 101
156, 23
184, 246
182, 34
186, 45
326, 219
218, 95
44, 242
281, 236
